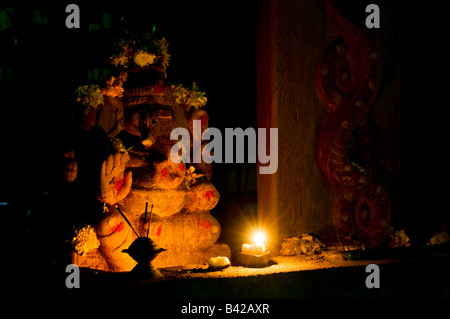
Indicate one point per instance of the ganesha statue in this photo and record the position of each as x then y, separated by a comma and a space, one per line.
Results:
139, 190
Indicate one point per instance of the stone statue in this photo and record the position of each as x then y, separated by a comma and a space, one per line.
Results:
135, 112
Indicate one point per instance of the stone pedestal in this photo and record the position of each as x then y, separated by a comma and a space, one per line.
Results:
253, 261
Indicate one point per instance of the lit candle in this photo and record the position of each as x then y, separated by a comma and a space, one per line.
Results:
255, 249
254, 255
258, 248
218, 262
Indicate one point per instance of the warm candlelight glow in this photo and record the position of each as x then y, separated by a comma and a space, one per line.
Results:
259, 238
253, 249
258, 247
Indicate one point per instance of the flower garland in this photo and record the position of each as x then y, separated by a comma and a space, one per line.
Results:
138, 50
91, 95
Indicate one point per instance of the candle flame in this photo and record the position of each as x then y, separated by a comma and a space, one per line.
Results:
259, 238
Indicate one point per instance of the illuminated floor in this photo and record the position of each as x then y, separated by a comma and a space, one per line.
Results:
323, 276
279, 264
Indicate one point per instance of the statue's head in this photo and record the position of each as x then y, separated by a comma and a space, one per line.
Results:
152, 123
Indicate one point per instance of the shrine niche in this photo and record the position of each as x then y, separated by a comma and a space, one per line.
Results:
138, 189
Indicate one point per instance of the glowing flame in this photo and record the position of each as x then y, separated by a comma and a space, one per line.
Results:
259, 238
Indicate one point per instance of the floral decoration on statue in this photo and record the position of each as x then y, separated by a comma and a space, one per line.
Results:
85, 240
164, 56
113, 87
143, 58
138, 50
191, 98
142, 49
89, 95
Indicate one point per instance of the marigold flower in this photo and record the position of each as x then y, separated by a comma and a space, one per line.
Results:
90, 95
143, 58
120, 59
113, 88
